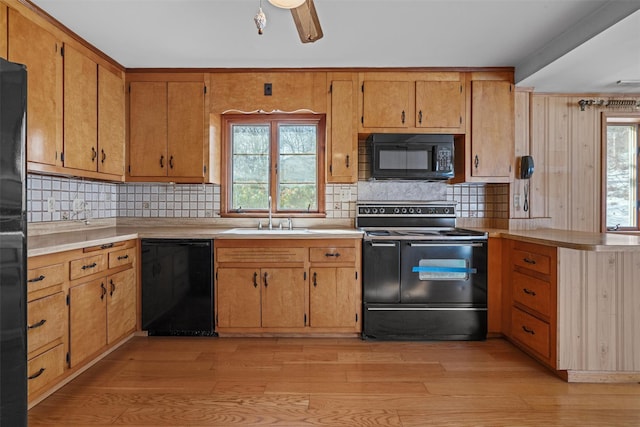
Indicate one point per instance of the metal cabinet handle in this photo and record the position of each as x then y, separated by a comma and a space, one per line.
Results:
529, 292
161, 161
38, 324
88, 266
420, 117
403, 116
476, 161
121, 257
315, 279
37, 374
40, 278
113, 287
171, 162
347, 160
104, 291
529, 331
255, 280
529, 261
265, 280
94, 154
337, 255
104, 156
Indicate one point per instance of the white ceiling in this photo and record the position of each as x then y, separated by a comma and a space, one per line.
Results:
566, 46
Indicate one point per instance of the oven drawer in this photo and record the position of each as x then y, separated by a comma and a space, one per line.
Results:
530, 331
531, 292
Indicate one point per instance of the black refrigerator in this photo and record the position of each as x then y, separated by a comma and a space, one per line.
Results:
13, 245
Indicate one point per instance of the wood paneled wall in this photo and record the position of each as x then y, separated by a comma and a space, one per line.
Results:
566, 146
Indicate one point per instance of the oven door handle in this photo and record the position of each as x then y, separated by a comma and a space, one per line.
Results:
424, 245
425, 269
384, 245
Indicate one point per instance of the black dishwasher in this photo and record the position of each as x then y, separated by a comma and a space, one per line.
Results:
177, 287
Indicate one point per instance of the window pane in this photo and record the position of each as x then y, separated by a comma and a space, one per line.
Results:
622, 178
250, 166
297, 170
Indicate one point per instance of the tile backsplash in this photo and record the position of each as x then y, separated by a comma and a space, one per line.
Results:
61, 199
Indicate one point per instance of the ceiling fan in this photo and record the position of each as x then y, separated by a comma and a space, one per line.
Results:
304, 16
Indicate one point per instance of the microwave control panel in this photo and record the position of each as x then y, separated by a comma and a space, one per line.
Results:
444, 159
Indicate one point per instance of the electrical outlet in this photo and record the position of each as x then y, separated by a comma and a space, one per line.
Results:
78, 205
337, 206
145, 205
516, 200
51, 204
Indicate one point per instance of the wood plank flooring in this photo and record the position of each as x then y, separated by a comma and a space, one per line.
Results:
180, 381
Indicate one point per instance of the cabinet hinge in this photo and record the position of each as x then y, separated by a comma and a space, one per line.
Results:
68, 299
129, 88
216, 276
331, 88
460, 119
305, 275
362, 119
305, 319
330, 168
356, 275
68, 357
56, 155
204, 168
356, 317
129, 168
205, 89
460, 88
362, 88
510, 88
62, 51
62, 157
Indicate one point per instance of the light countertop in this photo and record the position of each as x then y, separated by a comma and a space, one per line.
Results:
600, 242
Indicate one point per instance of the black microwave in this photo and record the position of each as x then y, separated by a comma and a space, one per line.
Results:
411, 156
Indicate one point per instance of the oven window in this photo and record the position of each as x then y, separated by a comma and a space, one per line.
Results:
443, 269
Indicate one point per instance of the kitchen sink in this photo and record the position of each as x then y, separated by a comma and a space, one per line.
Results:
266, 231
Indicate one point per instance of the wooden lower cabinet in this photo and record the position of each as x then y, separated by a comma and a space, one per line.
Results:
288, 286
79, 304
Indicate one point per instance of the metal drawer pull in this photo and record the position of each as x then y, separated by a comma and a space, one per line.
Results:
36, 279
37, 374
104, 291
113, 287
527, 330
529, 261
255, 280
121, 257
337, 254
315, 279
443, 270
37, 325
86, 267
529, 292
107, 246
265, 280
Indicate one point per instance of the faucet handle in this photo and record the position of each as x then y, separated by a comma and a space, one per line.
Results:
259, 225
290, 223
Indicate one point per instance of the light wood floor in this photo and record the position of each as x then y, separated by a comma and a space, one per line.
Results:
157, 381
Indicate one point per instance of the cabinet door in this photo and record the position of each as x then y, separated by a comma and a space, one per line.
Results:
80, 111
29, 44
87, 319
111, 119
46, 321
343, 136
386, 104
185, 132
121, 305
440, 104
148, 129
492, 128
3, 31
283, 298
238, 297
332, 297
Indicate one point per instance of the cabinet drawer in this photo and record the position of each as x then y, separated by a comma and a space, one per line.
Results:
44, 277
103, 247
532, 260
45, 320
87, 266
530, 331
531, 292
260, 255
43, 369
333, 254
121, 257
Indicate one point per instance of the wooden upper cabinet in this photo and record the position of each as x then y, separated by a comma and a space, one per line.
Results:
39, 50
387, 104
167, 130
185, 129
492, 129
148, 129
3, 31
440, 104
80, 111
111, 122
342, 143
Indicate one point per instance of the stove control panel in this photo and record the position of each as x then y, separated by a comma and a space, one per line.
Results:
407, 210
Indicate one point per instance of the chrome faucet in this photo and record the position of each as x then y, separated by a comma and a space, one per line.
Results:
270, 218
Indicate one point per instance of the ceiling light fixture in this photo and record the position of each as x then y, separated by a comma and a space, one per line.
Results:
260, 19
286, 4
